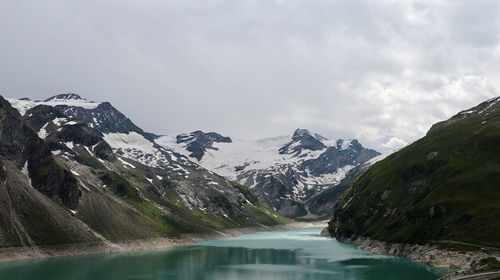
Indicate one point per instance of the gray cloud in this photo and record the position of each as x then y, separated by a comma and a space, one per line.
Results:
381, 71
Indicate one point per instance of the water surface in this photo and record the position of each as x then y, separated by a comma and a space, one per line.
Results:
291, 254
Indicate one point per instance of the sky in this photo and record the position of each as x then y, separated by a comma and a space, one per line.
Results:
379, 71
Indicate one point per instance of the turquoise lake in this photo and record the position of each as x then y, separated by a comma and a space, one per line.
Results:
290, 254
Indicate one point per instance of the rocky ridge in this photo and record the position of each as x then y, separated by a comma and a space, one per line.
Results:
283, 171
118, 196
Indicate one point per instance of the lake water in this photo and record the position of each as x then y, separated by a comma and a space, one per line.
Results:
291, 254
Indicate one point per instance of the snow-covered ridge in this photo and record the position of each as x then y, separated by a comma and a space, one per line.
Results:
70, 99
298, 165
260, 154
283, 171
135, 146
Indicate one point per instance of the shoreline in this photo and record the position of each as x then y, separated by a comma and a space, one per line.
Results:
467, 263
11, 254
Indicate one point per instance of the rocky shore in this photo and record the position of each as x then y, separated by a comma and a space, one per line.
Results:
26, 253
465, 262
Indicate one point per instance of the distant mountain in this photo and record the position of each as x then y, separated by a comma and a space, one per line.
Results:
323, 204
69, 99
80, 171
283, 171
442, 189
198, 142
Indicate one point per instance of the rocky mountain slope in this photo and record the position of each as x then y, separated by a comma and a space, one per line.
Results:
323, 204
442, 189
284, 171
79, 171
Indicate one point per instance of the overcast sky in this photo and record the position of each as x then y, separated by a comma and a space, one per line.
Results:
379, 71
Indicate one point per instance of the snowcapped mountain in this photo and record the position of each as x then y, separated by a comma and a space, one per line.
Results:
142, 189
121, 133
283, 171
67, 99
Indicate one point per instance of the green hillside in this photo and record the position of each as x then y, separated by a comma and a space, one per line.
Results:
443, 187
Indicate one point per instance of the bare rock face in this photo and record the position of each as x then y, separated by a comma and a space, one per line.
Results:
57, 128
198, 142
285, 171
130, 187
19, 143
303, 139
104, 119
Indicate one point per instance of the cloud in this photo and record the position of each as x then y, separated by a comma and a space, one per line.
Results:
395, 143
374, 70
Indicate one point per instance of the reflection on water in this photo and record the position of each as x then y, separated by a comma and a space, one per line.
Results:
294, 254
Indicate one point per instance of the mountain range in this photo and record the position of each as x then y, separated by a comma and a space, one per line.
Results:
77, 171
284, 171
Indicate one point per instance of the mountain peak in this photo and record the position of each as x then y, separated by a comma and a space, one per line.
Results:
300, 132
197, 142
349, 144
64, 96
198, 134
303, 139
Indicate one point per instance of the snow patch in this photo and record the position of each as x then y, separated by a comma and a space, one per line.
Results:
42, 133
59, 121
83, 185
346, 144
26, 173
129, 141
69, 145
468, 112
126, 163
136, 147
24, 105
88, 150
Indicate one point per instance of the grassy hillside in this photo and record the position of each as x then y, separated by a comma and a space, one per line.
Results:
444, 187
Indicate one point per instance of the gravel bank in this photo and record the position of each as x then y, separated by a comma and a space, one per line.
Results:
27, 253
